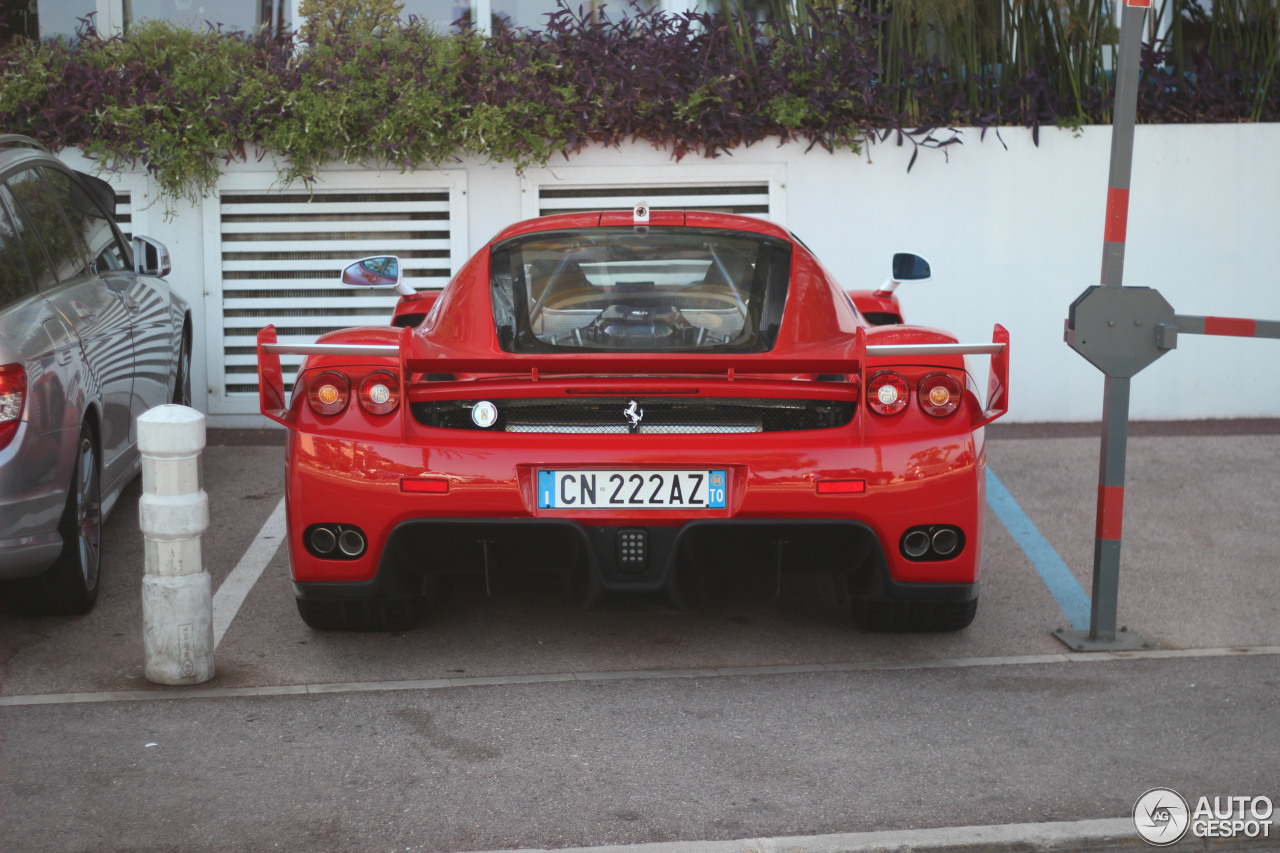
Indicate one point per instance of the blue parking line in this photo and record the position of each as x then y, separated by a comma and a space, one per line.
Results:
1063, 586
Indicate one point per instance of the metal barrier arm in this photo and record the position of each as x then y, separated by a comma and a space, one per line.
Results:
1235, 327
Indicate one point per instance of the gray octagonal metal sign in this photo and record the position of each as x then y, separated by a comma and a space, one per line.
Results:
1121, 330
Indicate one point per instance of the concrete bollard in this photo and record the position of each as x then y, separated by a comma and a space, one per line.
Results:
177, 594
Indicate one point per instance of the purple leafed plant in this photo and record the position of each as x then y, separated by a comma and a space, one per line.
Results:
182, 103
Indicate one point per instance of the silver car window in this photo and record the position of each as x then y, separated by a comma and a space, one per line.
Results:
88, 220
15, 283
41, 270
42, 211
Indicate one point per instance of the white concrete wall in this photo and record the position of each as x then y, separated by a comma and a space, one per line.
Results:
1014, 235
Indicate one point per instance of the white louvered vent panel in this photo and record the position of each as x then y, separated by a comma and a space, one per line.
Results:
124, 213
283, 253
750, 198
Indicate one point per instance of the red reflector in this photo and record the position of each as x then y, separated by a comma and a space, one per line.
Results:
841, 487
431, 487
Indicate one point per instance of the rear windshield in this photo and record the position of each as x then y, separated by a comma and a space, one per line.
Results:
635, 290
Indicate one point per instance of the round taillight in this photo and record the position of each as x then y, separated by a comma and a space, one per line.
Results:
380, 393
887, 393
939, 394
328, 393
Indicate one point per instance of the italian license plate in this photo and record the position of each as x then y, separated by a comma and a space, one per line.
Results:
632, 490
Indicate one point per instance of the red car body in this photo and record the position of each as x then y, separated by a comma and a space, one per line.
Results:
429, 446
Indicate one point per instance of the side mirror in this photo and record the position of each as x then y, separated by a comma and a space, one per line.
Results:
377, 271
907, 266
150, 257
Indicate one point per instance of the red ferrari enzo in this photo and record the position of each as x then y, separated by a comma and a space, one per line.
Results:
640, 401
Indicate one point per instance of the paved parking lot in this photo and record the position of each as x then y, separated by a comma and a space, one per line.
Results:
516, 721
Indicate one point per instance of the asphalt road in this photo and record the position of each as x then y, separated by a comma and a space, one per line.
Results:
514, 721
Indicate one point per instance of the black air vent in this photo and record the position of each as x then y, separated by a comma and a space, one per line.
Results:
661, 415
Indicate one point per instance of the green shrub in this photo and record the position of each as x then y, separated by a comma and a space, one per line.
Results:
366, 91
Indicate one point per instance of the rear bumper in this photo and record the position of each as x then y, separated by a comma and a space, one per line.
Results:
30, 555
34, 471
488, 520
676, 560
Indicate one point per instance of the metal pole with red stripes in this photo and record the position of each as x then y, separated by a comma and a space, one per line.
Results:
1106, 325
1124, 117
1121, 330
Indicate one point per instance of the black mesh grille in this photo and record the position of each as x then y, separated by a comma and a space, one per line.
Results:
683, 415
658, 544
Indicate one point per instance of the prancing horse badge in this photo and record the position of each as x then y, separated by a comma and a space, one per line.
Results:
634, 415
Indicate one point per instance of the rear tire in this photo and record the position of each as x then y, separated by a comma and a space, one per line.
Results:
71, 585
182, 382
913, 616
391, 614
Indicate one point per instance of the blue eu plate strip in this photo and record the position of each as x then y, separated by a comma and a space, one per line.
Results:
546, 489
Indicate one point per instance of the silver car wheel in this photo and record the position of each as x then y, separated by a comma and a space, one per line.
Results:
70, 585
88, 512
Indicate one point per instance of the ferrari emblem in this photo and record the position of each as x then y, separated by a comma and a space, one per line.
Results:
634, 415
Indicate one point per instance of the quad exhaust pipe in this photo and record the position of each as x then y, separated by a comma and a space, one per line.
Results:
915, 545
336, 541
932, 542
945, 541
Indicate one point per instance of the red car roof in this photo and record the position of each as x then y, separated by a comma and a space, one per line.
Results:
657, 218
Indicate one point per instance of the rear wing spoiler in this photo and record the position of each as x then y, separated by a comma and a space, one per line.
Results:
998, 379
273, 402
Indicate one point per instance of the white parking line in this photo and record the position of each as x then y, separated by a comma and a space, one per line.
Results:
159, 694
1112, 833
235, 588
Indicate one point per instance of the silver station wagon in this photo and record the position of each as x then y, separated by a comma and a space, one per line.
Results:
91, 336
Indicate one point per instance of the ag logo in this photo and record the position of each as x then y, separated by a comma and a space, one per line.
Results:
1161, 817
